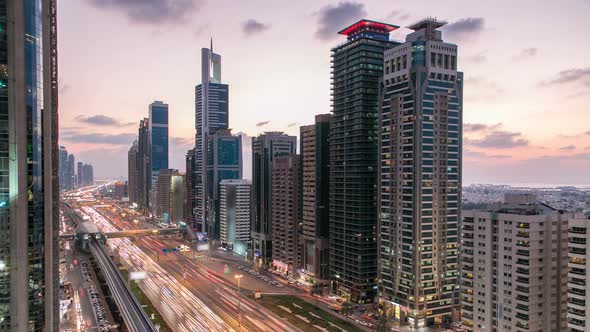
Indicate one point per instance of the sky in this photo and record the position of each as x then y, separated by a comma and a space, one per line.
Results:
526, 65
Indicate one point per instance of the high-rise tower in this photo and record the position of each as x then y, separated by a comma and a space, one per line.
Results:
420, 136
357, 70
211, 114
315, 171
265, 148
29, 182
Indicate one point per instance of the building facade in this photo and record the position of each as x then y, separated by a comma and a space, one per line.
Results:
223, 161
29, 180
514, 267
265, 148
80, 174
578, 304
286, 213
315, 194
234, 213
71, 176
143, 164
357, 70
87, 175
189, 208
162, 194
211, 114
177, 198
132, 173
420, 176
63, 168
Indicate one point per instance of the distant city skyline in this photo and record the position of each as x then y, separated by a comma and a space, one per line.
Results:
524, 105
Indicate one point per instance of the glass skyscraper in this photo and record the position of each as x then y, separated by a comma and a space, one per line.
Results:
29, 158
158, 136
211, 114
420, 140
357, 69
224, 162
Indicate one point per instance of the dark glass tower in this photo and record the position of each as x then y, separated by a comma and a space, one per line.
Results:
420, 177
158, 136
357, 70
224, 162
29, 187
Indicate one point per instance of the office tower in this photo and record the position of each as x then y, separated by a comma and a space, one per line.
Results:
224, 161
158, 136
514, 267
189, 212
315, 167
158, 141
63, 168
265, 148
234, 214
357, 69
578, 303
88, 173
31, 167
286, 213
162, 194
80, 173
177, 198
119, 191
143, 164
132, 172
71, 176
420, 176
211, 114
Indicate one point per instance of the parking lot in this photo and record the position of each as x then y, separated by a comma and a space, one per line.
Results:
266, 279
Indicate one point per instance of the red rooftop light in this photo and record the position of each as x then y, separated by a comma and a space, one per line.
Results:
367, 23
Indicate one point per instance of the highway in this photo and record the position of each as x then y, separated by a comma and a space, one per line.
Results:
133, 314
190, 296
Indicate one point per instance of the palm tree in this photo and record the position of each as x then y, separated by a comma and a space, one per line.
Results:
317, 290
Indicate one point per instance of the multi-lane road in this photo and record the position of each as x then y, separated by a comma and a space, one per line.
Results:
190, 296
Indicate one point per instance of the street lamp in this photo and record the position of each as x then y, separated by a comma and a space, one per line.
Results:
238, 277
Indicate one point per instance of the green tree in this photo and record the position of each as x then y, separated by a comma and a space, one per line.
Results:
317, 290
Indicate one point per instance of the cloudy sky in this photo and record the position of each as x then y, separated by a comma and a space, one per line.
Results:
526, 64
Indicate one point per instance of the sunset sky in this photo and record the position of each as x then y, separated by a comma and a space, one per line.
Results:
526, 66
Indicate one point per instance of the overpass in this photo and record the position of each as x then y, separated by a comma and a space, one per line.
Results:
133, 314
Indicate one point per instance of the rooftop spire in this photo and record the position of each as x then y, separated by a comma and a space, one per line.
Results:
211, 44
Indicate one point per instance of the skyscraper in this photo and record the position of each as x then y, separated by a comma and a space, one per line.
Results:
235, 214
88, 172
158, 141
224, 161
177, 198
514, 260
132, 172
211, 114
357, 70
63, 168
315, 165
265, 148
162, 201
189, 212
286, 213
144, 175
29, 186
80, 173
71, 176
420, 140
